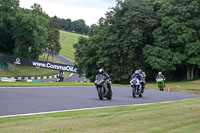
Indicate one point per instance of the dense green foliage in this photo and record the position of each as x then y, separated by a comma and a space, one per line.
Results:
54, 45
7, 14
117, 42
77, 26
27, 33
176, 47
30, 35
154, 35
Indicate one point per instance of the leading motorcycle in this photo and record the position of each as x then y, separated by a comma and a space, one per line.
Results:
103, 89
136, 87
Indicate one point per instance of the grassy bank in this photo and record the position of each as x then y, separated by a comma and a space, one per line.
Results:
34, 84
25, 71
183, 86
174, 85
67, 40
186, 86
181, 116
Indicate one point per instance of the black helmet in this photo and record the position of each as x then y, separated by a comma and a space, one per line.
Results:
101, 71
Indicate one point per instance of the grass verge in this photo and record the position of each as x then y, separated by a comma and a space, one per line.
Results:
180, 116
67, 40
185, 87
35, 84
182, 85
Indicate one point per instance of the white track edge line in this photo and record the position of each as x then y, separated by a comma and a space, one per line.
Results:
92, 108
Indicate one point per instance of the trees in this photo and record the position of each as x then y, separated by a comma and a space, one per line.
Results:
8, 9
118, 40
30, 34
160, 35
26, 33
65, 24
177, 38
54, 46
77, 26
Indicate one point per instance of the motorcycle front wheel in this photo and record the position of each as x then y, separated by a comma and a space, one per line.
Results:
133, 92
109, 97
160, 86
100, 92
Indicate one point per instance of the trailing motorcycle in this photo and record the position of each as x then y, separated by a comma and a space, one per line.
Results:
160, 83
103, 89
136, 87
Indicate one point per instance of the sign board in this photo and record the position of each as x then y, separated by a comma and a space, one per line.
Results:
41, 64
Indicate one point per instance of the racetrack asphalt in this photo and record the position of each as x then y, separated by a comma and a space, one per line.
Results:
75, 77
24, 100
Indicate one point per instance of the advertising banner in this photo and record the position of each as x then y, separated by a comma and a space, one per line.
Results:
41, 64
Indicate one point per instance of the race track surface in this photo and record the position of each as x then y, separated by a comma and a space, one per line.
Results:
44, 99
75, 77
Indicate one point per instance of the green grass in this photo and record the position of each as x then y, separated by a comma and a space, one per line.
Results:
180, 116
38, 84
25, 71
34, 84
185, 87
67, 40
182, 86
189, 85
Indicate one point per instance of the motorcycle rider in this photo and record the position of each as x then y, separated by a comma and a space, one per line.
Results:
101, 72
143, 79
160, 75
138, 76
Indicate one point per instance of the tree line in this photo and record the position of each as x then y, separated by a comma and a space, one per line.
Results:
77, 26
153, 35
27, 32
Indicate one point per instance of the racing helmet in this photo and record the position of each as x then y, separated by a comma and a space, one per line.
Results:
140, 71
101, 71
160, 73
136, 72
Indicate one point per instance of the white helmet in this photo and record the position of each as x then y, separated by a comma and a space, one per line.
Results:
101, 71
136, 72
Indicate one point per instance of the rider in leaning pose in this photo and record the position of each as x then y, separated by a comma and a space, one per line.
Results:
137, 75
101, 72
143, 79
160, 75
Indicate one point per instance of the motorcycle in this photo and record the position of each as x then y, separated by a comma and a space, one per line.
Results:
136, 87
102, 88
160, 83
